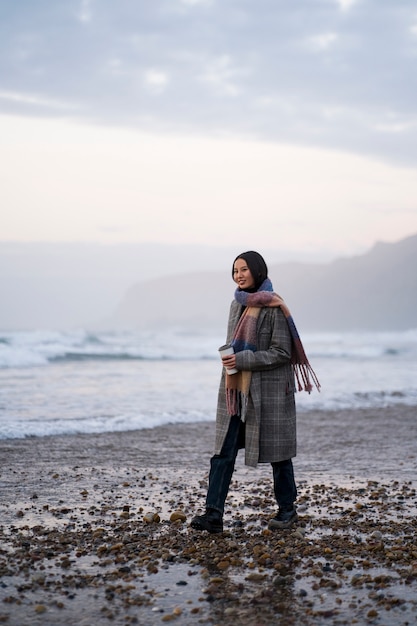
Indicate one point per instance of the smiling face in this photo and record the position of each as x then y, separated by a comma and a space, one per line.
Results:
242, 275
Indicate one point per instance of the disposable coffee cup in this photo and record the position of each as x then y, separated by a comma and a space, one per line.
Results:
225, 351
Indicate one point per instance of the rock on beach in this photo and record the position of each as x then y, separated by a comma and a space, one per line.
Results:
95, 530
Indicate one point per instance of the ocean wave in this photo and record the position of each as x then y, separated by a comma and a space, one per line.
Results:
39, 348
90, 356
96, 425
17, 357
26, 358
364, 346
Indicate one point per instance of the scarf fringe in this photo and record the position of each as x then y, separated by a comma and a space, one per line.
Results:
301, 365
237, 403
302, 375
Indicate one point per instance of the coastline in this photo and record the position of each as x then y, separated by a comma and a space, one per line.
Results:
370, 440
76, 547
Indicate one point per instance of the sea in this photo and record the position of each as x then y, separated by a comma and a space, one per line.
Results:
57, 383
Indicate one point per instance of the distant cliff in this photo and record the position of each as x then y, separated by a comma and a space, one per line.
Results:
374, 291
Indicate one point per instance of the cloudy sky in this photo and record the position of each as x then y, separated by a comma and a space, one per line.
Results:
288, 124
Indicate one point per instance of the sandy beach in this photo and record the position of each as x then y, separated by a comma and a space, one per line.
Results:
95, 528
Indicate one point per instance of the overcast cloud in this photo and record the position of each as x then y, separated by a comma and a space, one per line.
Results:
327, 73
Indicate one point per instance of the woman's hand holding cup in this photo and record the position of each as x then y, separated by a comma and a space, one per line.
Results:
228, 357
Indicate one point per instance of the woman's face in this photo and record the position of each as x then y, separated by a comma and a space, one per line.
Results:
242, 275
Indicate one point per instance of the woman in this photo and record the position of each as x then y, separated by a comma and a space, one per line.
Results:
256, 406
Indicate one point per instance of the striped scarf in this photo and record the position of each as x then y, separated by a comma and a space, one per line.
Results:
244, 338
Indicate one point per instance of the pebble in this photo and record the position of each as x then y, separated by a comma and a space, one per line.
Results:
332, 567
151, 518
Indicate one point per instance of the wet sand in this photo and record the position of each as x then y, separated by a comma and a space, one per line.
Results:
87, 530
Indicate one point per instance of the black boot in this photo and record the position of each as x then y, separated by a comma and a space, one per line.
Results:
285, 518
212, 521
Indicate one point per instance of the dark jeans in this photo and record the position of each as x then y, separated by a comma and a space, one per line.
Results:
223, 464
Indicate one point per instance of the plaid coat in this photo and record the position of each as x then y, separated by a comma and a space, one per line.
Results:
271, 417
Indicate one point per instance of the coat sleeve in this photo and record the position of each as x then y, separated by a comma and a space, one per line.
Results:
274, 344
